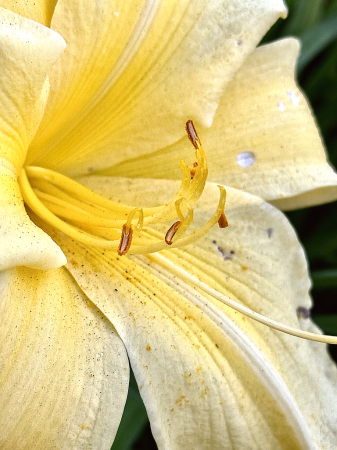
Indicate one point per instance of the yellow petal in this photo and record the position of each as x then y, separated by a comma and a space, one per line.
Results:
263, 140
133, 72
27, 51
64, 370
211, 378
39, 10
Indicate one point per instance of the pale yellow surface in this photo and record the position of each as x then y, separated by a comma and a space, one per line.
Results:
209, 377
39, 10
134, 72
130, 77
261, 111
27, 51
64, 370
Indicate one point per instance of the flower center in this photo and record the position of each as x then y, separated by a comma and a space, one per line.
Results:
96, 221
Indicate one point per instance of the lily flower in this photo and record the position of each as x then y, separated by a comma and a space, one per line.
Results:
107, 258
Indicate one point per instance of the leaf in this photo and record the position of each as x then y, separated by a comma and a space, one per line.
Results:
328, 322
325, 278
133, 421
303, 15
315, 39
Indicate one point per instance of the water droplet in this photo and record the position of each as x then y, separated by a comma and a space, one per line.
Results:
293, 98
281, 106
116, 13
245, 159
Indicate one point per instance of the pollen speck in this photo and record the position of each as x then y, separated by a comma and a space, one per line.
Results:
148, 348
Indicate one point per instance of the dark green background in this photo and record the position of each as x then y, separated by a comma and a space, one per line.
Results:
315, 23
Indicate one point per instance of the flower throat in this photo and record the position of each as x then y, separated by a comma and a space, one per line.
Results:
94, 220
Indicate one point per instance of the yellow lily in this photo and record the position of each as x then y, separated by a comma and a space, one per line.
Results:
95, 100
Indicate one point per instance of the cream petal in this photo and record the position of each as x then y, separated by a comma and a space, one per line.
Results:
209, 377
40, 10
264, 139
134, 72
27, 51
64, 370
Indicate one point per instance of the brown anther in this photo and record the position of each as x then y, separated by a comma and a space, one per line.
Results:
125, 241
223, 222
171, 232
193, 170
192, 134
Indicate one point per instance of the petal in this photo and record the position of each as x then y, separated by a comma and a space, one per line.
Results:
27, 52
133, 72
40, 10
263, 140
64, 370
210, 378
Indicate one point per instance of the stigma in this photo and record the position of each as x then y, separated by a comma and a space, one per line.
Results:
89, 218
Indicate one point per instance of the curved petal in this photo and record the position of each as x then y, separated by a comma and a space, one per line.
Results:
40, 10
27, 52
133, 72
64, 370
210, 378
263, 140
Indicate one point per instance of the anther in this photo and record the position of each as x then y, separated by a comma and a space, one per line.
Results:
127, 231
126, 240
222, 221
192, 134
194, 169
171, 232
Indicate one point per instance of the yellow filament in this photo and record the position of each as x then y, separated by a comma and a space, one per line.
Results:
158, 246
140, 222
39, 209
96, 221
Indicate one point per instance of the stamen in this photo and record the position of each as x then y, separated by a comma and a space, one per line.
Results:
223, 222
126, 240
193, 170
171, 232
192, 134
140, 222
191, 280
157, 247
127, 231
94, 220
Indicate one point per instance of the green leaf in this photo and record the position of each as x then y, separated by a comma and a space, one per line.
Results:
324, 278
328, 323
303, 15
316, 39
133, 421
